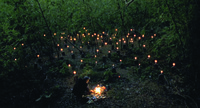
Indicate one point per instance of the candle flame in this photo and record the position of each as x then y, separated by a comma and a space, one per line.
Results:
155, 61
161, 71
61, 49
149, 56
81, 60
58, 45
135, 58
143, 35
38, 55
173, 64
134, 35
44, 35
69, 65
74, 72
54, 33
14, 48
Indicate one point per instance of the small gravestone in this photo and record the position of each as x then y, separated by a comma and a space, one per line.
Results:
112, 47
104, 59
118, 53
73, 56
63, 53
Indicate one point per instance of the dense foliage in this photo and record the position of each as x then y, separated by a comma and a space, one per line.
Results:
28, 29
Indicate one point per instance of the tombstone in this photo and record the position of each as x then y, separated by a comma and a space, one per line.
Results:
118, 53
161, 79
112, 47
63, 53
104, 59
73, 56
109, 55
156, 66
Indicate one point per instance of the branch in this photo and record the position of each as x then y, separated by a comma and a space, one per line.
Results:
128, 3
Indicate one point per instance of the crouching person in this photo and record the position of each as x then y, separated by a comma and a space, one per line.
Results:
81, 89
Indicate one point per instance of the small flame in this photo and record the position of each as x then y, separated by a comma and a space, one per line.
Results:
149, 56
120, 60
44, 34
144, 46
161, 71
14, 48
155, 61
61, 49
38, 55
143, 35
106, 43
134, 35
131, 29
152, 37
54, 33
173, 64
58, 45
109, 51
88, 34
115, 29
22, 44
74, 72
135, 58
154, 34
139, 38
61, 37
81, 60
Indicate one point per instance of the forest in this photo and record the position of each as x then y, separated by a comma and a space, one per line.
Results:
137, 53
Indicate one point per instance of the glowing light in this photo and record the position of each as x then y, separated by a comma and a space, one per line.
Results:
134, 35
155, 61
108, 51
95, 34
44, 35
69, 65
117, 43
15, 59
74, 72
120, 60
61, 37
154, 34
115, 29
161, 71
143, 35
67, 46
38, 56
61, 49
84, 28
81, 60
173, 64
106, 43
88, 34
14, 48
131, 29
74, 39
58, 45
151, 37
135, 58
149, 56
139, 38
22, 44
54, 33
72, 52
144, 46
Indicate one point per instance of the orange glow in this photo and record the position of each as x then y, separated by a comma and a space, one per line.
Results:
15, 59
95, 62
95, 56
115, 29
97, 50
155, 61
83, 34
95, 34
108, 51
128, 33
131, 29
44, 34
143, 35
88, 33
70, 39
144, 46
152, 37
22, 44
120, 60
72, 51
97, 38
81, 60
161, 71
67, 46
103, 32
139, 64
117, 43
58, 45
74, 72
80, 46
135, 58
61, 49
139, 38
118, 76
54, 33
154, 34
69, 65
38, 55
119, 40
98, 90
74, 39
84, 28
127, 36
110, 38
14, 48
123, 39
124, 42
173, 64
61, 37
101, 36
134, 35
77, 34
117, 48
149, 56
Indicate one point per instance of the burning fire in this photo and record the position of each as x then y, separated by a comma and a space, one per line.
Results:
99, 90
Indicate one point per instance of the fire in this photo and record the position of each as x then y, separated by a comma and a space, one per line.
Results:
99, 90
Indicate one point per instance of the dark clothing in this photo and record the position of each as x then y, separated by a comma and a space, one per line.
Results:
80, 88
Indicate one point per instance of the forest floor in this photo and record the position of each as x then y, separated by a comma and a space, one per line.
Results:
128, 91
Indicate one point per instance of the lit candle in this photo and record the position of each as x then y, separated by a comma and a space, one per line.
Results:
117, 48
109, 51
44, 35
69, 65
131, 29
139, 38
144, 46
155, 61
95, 34
154, 34
22, 44
151, 37
74, 72
15, 59
161, 71
117, 43
119, 40
97, 50
124, 42
134, 35
74, 39
61, 49
61, 37
81, 60
58, 45
67, 46
143, 36
173, 64
95, 56
83, 35
38, 56
103, 32
149, 56
84, 28
88, 34
115, 29
135, 58
127, 36
97, 38
14, 48
123, 39
120, 60
54, 33
101, 37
